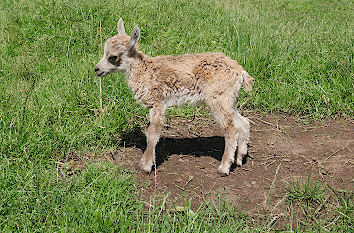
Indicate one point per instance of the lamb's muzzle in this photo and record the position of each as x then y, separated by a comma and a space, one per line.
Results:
164, 81
99, 73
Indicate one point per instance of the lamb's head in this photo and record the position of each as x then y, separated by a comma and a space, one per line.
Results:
117, 50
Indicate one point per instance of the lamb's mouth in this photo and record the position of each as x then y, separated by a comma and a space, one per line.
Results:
101, 74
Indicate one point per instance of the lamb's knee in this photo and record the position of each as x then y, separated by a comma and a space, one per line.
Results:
153, 132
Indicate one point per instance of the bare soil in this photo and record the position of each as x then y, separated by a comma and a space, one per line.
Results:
282, 149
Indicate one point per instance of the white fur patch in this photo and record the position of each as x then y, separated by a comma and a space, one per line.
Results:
183, 97
244, 75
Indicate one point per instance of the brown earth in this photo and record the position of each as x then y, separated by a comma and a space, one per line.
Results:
282, 149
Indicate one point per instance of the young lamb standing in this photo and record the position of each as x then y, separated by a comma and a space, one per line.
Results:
164, 81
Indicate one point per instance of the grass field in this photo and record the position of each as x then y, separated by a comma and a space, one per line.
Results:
300, 53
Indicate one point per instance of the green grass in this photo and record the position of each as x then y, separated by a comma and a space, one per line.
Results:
301, 56
318, 207
300, 53
101, 199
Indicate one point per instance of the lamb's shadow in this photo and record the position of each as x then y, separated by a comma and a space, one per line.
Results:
198, 146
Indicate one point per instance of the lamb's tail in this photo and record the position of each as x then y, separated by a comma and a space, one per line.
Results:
247, 81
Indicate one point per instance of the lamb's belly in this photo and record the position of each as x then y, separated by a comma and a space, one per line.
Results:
184, 97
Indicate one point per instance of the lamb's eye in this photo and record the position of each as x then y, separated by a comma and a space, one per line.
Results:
113, 58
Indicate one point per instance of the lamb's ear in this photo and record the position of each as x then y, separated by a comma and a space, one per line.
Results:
120, 27
135, 36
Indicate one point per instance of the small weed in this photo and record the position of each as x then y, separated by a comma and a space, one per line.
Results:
312, 205
309, 196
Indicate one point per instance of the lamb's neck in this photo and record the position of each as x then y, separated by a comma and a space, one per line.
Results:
133, 64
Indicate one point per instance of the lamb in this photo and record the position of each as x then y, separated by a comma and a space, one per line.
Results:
164, 81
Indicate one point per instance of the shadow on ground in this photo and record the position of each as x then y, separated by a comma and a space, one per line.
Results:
197, 146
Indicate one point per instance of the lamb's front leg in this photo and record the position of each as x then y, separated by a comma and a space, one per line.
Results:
152, 137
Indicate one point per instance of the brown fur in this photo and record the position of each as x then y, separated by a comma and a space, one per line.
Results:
163, 81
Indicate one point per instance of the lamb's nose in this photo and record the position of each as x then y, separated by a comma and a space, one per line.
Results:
96, 69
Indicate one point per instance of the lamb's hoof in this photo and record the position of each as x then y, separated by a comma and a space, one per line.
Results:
223, 170
145, 166
239, 161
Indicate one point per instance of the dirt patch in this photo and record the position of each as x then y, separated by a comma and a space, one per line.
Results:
282, 149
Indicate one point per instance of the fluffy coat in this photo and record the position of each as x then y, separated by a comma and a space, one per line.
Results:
164, 81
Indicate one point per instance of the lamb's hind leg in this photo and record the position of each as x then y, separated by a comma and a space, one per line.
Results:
228, 157
243, 139
226, 116
152, 137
